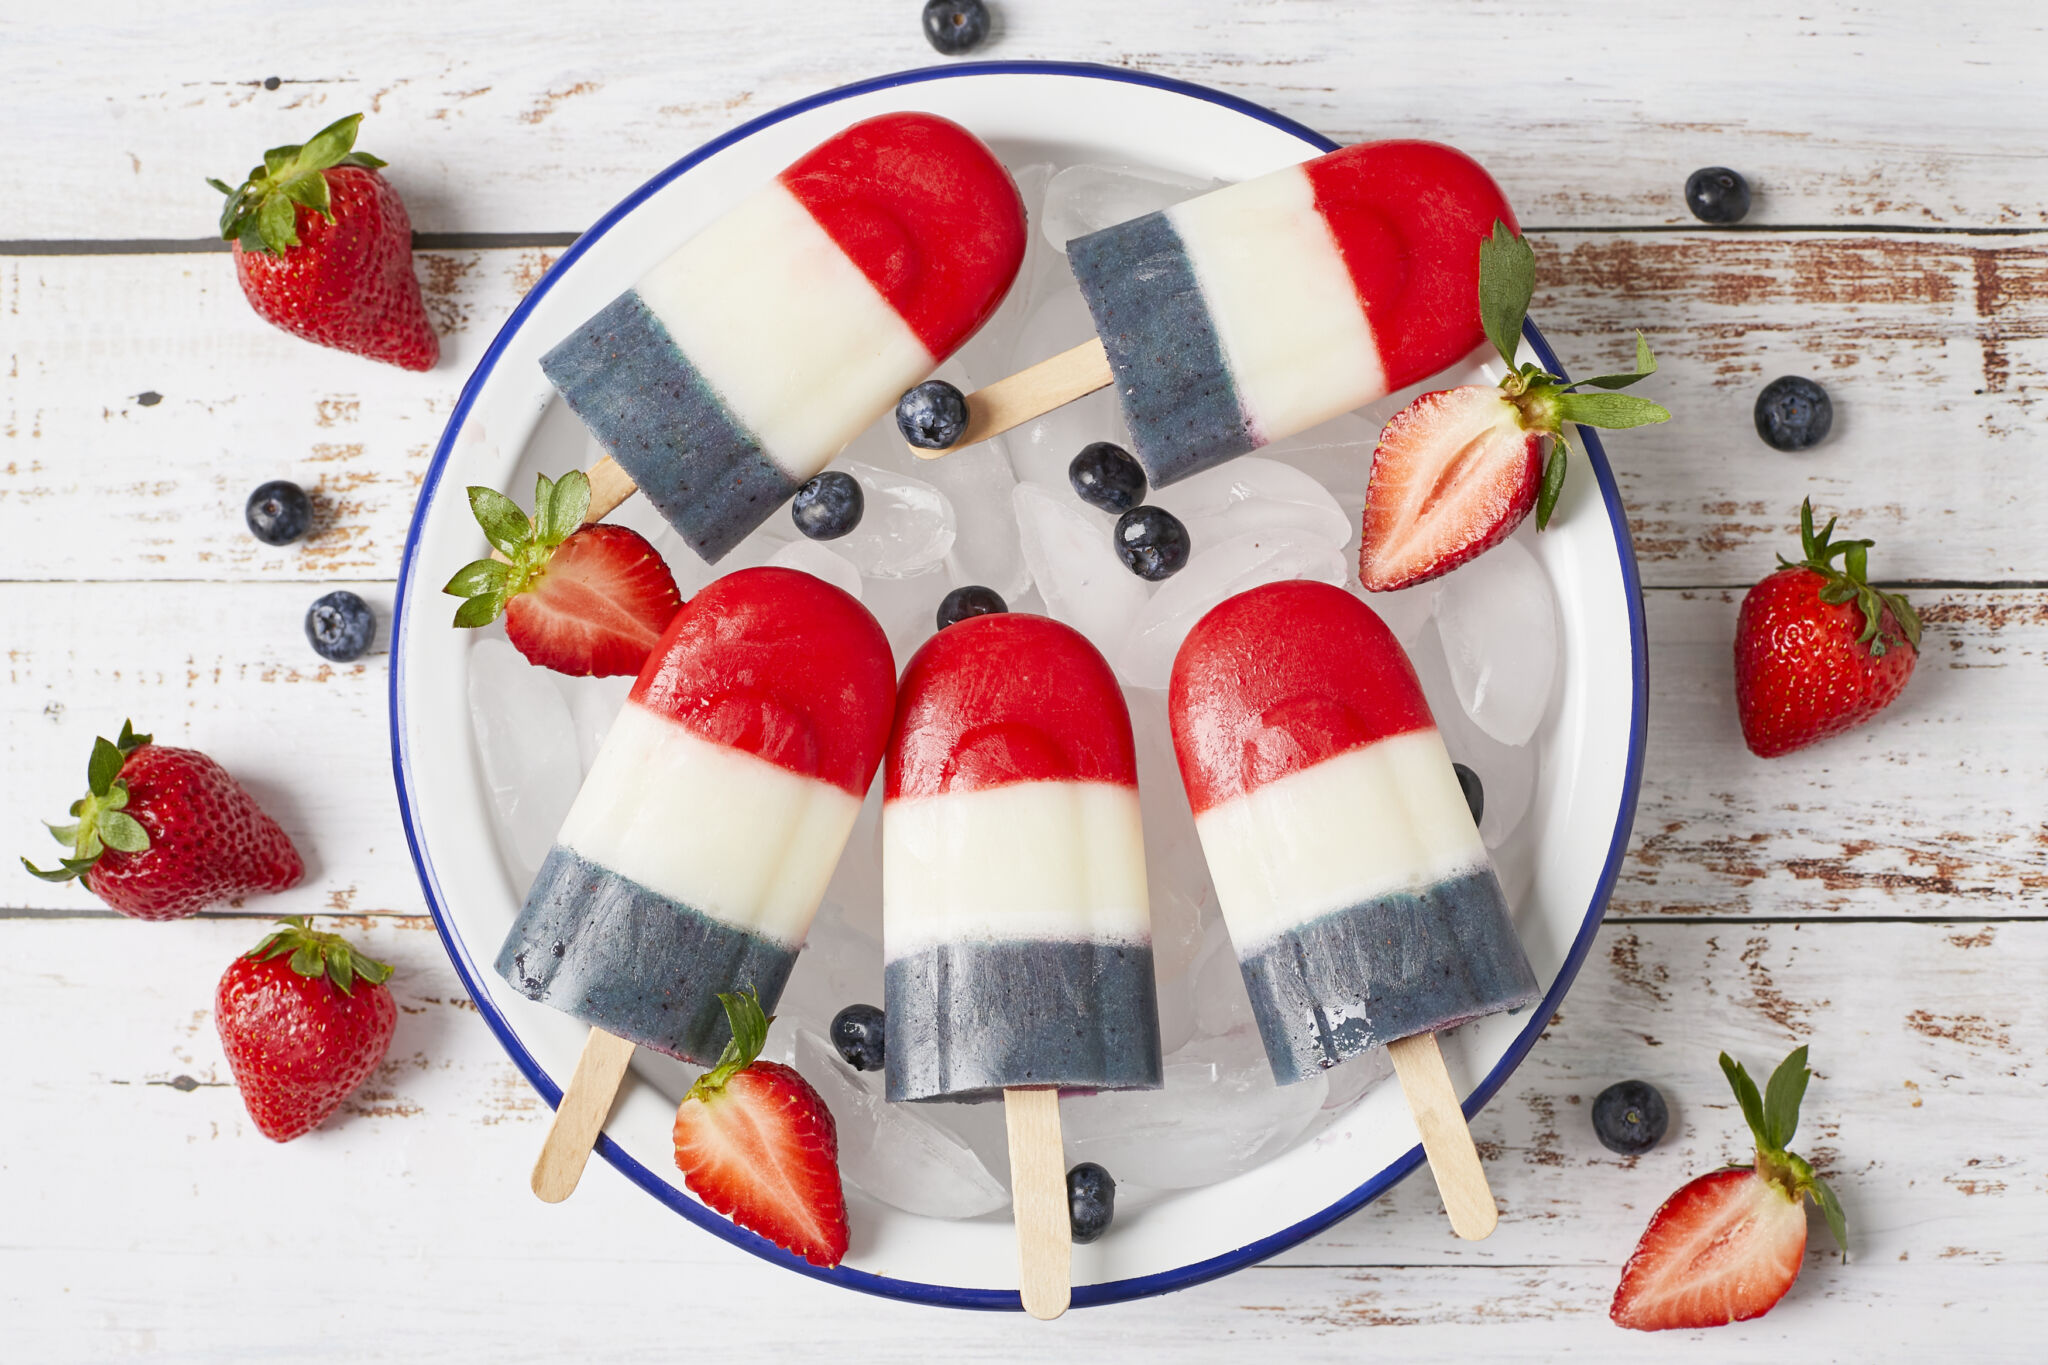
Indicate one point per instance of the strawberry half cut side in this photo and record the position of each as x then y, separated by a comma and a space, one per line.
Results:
1728, 1245
586, 600
755, 1142
1457, 470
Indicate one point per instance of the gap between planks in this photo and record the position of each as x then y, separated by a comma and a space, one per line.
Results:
458, 241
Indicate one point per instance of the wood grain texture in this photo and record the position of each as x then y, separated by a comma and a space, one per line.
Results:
1038, 1175
1923, 1113
1935, 349
498, 117
580, 1117
1832, 831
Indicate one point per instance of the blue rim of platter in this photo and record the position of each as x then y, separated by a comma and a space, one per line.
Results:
913, 1291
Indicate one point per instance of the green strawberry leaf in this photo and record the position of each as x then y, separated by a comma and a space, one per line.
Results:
1553, 481
1746, 1095
262, 212
1831, 1209
277, 158
505, 526
129, 741
480, 610
1782, 1094
749, 1032
341, 971
570, 504
328, 146
277, 223
319, 954
66, 835
1507, 281
66, 870
1611, 411
122, 831
479, 576
104, 767
310, 189
1646, 365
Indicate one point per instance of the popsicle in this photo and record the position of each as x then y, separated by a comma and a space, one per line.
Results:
735, 369
1356, 888
701, 842
1263, 308
1016, 931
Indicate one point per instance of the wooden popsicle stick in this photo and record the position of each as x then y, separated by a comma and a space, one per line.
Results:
1446, 1141
580, 1117
609, 486
1038, 1195
1030, 393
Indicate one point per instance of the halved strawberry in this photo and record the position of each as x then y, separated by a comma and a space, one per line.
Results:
756, 1142
1457, 470
587, 600
1727, 1246
1454, 473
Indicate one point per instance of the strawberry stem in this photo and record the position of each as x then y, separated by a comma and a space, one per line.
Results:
527, 543
100, 820
1773, 1117
263, 212
1850, 583
317, 954
749, 1032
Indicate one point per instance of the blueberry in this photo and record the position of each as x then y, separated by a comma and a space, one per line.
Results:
858, 1034
1793, 413
1716, 194
1475, 794
1151, 542
1629, 1117
828, 506
955, 26
1091, 1201
972, 600
933, 415
279, 512
1106, 476
340, 627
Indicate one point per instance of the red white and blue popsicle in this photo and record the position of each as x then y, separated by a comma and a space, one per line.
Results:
739, 366
1263, 308
1017, 935
1360, 898
702, 840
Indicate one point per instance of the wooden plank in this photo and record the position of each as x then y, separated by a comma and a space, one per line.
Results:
226, 670
1924, 1114
1861, 116
1934, 811
1935, 348
1939, 807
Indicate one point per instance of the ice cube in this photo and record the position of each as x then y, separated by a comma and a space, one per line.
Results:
527, 740
1338, 455
1219, 1115
905, 528
892, 1151
1176, 877
1222, 1004
1507, 772
1084, 199
1041, 450
595, 703
987, 549
1145, 658
808, 556
1499, 626
1350, 1080
1074, 566
986, 356
1251, 495
907, 608
1406, 611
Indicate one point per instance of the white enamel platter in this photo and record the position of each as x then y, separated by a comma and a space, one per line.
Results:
1586, 788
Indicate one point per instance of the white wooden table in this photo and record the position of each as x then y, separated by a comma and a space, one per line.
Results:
1884, 897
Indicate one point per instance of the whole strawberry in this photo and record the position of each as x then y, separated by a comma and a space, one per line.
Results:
1817, 649
324, 250
305, 1019
1728, 1245
589, 599
162, 833
756, 1142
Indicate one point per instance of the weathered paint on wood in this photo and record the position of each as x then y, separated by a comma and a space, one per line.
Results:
502, 117
1923, 1113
